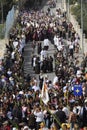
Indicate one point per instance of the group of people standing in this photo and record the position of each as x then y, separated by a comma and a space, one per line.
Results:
43, 62
44, 66
21, 105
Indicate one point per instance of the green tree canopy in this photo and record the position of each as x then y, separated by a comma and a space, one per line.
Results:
76, 10
7, 5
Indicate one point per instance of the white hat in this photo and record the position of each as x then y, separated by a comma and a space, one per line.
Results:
26, 127
85, 100
11, 79
21, 92
5, 123
14, 128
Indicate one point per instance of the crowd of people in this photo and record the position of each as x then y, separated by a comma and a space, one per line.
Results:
21, 103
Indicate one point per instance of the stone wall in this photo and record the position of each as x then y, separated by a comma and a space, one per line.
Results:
83, 42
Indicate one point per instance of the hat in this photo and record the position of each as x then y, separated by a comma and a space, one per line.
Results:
10, 78
5, 123
21, 92
42, 124
14, 128
85, 100
21, 124
65, 124
46, 76
68, 125
26, 127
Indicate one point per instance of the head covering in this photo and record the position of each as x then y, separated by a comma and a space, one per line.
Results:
26, 127
65, 124
42, 124
68, 125
14, 128
85, 100
5, 123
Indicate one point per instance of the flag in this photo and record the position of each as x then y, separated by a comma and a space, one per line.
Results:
77, 90
44, 94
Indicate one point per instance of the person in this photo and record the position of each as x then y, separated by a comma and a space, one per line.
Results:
41, 79
26, 128
60, 116
39, 117
43, 54
42, 126
66, 110
6, 126
56, 40
39, 47
47, 117
83, 114
46, 44
55, 80
85, 128
34, 62
76, 127
53, 127
31, 120
50, 65
65, 126
71, 49
37, 67
72, 118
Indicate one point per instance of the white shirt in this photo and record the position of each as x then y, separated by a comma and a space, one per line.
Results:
60, 47
43, 54
75, 110
64, 89
78, 74
39, 116
9, 72
56, 40
35, 88
55, 80
15, 43
46, 42
13, 55
71, 46
34, 61
66, 110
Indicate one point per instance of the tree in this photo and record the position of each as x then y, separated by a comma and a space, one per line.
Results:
6, 5
76, 10
2, 2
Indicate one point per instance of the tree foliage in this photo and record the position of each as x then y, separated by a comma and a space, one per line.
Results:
33, 3
7, 5
76, 10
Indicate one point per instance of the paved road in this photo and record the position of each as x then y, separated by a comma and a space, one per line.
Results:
51, 51
28, 50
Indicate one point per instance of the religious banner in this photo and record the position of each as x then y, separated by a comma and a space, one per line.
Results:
44, 94
78, 90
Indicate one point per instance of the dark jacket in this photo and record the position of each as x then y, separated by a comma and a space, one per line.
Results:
61, 117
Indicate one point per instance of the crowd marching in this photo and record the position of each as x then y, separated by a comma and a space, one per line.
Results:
58, 104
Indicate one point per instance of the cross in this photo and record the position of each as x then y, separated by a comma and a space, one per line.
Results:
77, 91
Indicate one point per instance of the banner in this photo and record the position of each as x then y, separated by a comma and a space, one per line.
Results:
77, 90
44, 94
